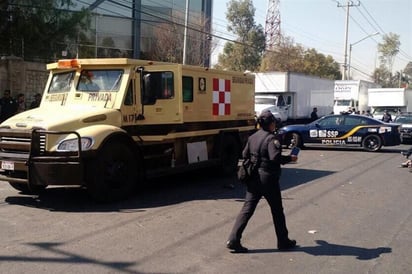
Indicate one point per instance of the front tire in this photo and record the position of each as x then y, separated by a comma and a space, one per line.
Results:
372, 143
115, 173
293, 139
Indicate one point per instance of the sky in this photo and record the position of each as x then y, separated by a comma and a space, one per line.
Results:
320, 24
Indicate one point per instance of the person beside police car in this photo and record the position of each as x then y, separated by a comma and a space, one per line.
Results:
386, 117
265, 183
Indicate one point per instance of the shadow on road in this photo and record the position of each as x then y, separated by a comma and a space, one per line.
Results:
201, 185
60, 256
327, 249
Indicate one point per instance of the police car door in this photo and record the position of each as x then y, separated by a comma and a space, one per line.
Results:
328, 130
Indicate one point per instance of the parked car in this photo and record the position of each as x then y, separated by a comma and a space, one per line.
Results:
405, 119
342, 130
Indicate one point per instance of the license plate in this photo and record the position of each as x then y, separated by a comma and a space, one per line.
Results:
7, 165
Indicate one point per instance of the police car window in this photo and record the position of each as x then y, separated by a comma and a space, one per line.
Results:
328, 121
100, 80
61, 82
352, 121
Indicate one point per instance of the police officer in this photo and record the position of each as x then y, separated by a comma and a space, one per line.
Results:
387, 118
265, 184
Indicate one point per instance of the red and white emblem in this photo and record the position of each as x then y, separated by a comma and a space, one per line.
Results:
221, 97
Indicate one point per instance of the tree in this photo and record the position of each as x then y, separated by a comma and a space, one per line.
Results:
290, 57
40, 29
246, 52
284, 57
388, 49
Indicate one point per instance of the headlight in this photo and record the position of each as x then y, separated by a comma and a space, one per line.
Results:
73, 145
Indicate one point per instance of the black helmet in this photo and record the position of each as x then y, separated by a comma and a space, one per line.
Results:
266, 118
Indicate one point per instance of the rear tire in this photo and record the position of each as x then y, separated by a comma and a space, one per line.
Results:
114, 174
372, 143
229, 155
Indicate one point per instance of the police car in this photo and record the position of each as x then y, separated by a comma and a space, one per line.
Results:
405, 119
343, 130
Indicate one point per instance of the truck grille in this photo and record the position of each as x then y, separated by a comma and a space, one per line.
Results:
13, 141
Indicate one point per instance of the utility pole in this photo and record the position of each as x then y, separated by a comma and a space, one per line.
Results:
348, 5
185, 33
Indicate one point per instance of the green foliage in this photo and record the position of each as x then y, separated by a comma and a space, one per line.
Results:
246, 52
388, 50
40, 29
295, 58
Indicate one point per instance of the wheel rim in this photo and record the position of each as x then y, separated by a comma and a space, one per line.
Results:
372, 143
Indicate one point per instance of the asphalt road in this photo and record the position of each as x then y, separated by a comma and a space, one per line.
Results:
349, 210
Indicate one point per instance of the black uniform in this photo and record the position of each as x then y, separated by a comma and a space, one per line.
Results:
265, 184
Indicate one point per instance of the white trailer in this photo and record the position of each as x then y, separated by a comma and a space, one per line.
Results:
394, 100
295, 94
349, 94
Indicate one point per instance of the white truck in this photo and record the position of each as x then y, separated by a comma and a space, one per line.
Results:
292, 96
349, 94
394, 100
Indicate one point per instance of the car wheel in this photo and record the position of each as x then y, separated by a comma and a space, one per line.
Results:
372, 143
294, 139
115, 173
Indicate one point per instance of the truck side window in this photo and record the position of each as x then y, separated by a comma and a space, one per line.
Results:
167, 86
157, 85
187, 89
128, 100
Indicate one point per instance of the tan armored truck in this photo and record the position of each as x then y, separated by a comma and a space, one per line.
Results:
109, 124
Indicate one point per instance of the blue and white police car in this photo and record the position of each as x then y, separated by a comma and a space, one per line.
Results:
345, 130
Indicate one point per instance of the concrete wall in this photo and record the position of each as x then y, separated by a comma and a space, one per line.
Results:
24, 77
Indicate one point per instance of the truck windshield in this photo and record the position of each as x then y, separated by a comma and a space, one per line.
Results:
61, 82
99, 80
342, 102
266, 101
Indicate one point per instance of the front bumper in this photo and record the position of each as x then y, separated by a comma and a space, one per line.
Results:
23, 159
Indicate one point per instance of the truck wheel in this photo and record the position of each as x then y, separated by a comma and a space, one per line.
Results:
26, 189
114, 173
372, 143
229, 155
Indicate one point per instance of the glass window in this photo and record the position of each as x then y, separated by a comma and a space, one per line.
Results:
352, 121
331, 121
100, 80
167, 88
61, 82
187, 89
128, 100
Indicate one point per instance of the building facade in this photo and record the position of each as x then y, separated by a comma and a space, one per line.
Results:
164, 30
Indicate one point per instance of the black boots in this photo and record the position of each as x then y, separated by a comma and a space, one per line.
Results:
236, 247
286, 245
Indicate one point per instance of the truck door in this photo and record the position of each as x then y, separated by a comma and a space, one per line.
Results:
161, 95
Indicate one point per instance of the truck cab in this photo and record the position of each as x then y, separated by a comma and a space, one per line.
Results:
276, 104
